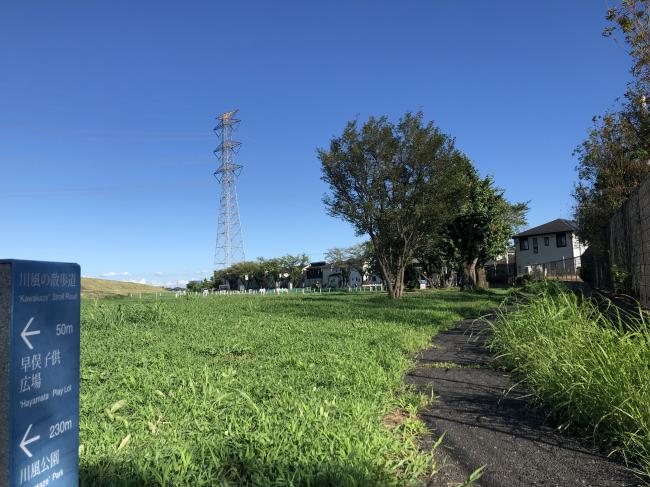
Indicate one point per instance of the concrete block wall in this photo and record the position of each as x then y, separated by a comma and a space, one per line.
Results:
629, 241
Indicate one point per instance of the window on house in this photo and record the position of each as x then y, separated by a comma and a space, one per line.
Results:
560, 239
535, 246
314, 273
523, 243
547, 241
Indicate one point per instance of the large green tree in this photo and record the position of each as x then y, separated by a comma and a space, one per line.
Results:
483, 226
614, 158
292, 267
438, 258
394, 182
630, 22
612, 163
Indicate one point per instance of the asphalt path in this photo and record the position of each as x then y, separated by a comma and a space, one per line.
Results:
488, 420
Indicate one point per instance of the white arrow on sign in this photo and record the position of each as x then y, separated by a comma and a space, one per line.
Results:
24, 442
24, 334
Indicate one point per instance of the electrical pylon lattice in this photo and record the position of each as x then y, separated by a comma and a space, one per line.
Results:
230, 243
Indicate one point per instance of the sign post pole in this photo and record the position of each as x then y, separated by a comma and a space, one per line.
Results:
39, 373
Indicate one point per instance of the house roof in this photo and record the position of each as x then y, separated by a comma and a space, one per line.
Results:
555, 226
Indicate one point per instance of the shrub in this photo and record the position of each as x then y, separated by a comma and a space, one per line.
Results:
524, 279
591, 368
622, 280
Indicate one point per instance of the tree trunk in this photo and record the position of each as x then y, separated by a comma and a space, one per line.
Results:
445, 277
481, 278
389, 285
428, 274
388, 278
394, 285
431, 281
396, 290
399, 282
469, 281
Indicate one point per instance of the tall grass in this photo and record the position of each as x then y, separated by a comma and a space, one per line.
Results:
590, 366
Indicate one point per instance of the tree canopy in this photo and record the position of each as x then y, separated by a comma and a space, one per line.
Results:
615, 156
481, 229
483, 226
263, 273
396, 183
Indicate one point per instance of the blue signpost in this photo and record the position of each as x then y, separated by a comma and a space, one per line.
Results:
42, 373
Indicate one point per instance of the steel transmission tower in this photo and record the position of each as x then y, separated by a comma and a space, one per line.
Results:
230, 244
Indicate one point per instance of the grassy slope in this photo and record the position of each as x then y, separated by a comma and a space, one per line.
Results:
101, 288
275, 390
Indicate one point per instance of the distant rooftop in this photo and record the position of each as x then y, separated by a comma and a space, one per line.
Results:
555, 226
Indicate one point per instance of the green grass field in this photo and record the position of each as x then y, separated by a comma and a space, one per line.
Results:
254, 390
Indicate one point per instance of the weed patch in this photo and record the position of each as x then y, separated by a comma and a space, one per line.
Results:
591, 368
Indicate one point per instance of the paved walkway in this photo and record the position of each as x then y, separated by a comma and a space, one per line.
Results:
484, 426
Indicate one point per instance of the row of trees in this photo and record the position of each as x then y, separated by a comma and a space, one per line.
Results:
408, 188
261, 273
615, 157
286, 270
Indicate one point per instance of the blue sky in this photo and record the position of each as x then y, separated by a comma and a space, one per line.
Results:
107, 110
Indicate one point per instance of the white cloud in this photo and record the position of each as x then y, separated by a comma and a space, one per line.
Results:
160, 283
177, 283
114, 274
141, 281
158, 273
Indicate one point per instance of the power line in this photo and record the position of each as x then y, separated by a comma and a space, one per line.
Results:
89, 191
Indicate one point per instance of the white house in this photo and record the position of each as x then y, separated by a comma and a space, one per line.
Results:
355, 279
322, 274
553, 245
317, 274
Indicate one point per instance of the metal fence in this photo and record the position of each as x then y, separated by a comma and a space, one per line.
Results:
365, 288
500, 273
560, 270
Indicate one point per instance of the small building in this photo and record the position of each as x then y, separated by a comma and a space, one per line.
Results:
324, 275
355, 279
370, 279
551, 248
